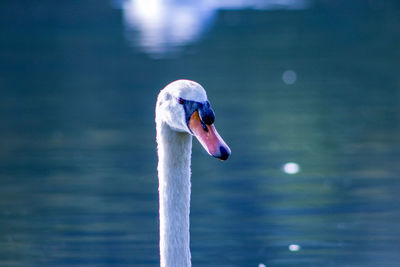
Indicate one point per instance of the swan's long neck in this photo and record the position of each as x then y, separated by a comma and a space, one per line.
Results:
174, 153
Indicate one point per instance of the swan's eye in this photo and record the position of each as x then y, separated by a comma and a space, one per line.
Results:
181, 100
204, 126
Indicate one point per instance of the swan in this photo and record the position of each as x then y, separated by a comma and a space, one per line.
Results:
182, 110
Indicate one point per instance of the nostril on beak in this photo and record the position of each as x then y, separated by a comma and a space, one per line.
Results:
224, 154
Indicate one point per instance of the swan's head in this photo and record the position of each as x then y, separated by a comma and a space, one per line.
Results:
184, 107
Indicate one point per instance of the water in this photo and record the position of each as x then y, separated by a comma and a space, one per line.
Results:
316, 86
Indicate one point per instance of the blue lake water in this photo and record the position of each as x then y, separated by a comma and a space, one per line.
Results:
314, 83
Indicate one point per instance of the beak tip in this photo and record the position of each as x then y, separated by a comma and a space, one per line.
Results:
223, 153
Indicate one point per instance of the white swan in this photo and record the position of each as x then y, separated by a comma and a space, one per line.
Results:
182, 110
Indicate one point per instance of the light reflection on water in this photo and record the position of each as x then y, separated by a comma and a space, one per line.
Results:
77, 150
161, 27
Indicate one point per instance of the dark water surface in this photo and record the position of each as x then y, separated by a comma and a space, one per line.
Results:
318, 86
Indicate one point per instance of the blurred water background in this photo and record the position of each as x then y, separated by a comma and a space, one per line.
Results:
311, 83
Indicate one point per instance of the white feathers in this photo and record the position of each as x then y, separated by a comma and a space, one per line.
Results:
187, 89
168, 109
174, 154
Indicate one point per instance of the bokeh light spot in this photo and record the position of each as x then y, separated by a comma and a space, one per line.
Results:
289, 77
294, 247
291, 168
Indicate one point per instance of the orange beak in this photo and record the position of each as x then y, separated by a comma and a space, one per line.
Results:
209, 137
